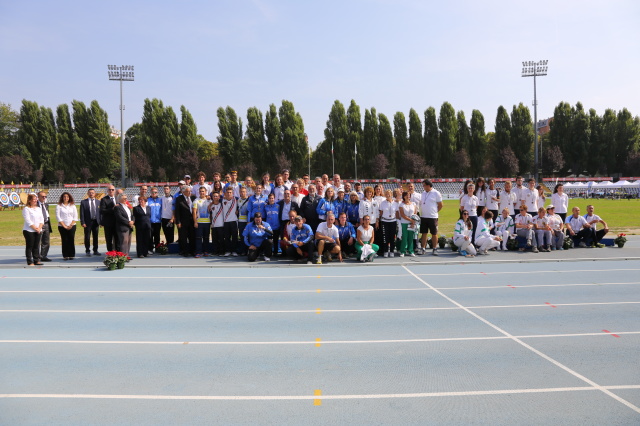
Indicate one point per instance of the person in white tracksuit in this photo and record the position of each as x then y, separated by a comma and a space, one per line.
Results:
505, 227
484, 240
462, 235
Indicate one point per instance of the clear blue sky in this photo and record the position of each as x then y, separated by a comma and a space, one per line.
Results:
389, 54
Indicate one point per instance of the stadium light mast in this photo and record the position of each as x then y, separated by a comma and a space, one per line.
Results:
121, 73
535, 69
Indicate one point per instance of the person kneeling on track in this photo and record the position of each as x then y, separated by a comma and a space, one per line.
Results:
365, 248
505, 227
347, 235
328, 238
300, 240
257, 236
484, 240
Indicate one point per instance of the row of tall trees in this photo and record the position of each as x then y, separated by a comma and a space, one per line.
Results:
76, 143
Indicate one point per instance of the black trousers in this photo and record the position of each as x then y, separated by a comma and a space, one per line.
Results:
293, 253
242, 247
45, 242
168, 231
217, 239
600, 235
91, 230
155, 235
230, 236
389, 233
111, 237
187, 237
586, 235
265, 249
68, 237
344, 245
32, 250
143, 240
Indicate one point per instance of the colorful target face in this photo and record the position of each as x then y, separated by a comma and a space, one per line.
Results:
14, 198
4, 199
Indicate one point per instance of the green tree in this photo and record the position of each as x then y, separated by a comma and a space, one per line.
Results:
522, 137
608, 139
597, 151
336, 133
354, 139
100, 142
560, 131
188, 130
416, 139
229, 140
29, 135
580, 140
627, 138
478, 145
294, 144
370, 145
48, 141
448, 125
431, 139
402, 140
385, 139
67, 143
274, 136
502, 130
464, 133
257, 143
9, 126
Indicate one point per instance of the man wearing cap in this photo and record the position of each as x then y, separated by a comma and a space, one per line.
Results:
430, 205
357, 187
187, 180
300, 241
257, 236
557, 228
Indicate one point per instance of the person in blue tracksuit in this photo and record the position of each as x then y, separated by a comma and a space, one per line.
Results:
347, 234
271, 210
325, 204
155, 206
257, 236
256, 203
301, 240
340, 204
353, 209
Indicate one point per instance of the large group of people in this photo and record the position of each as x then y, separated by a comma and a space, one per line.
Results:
311, 221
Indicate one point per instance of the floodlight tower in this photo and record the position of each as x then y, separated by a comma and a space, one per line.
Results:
535, 69
121, 73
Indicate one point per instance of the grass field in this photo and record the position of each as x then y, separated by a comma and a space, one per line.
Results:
620, 215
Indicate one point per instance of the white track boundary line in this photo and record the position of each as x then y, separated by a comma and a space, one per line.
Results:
531, 348
305, 311
317, 290
324, 342
564, 271
310, 397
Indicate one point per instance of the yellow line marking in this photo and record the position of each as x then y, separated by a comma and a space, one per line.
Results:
318, 342
318, 401
318, 290
185, 343
318, 276
318, 311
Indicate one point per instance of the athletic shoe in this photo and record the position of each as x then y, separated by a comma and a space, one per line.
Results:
401, 255
319, 261
206, 254
386, 254
486, 253
198, 256
328, 257
363, 260
391, 254
227, 254
96, 253
553, 248
582, 244
412, 255
599, 245
463, 253
435, 252
309, 262
535, 249
561, 248
266, 259
234, 254
88, 254
521, 249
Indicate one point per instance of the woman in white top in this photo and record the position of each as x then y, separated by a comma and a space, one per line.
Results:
543, 230
378, 193
406, 209
560, 201
387, 218
542, 199
278, 189
369, 206
492, 198
484, 240
32, 229
481, 193
67, 216
462, 235
505, 227
250, 185
267, 186
365, 235
470, 203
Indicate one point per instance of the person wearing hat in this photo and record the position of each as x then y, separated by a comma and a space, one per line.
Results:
357, 187
257, 236
187, 180
340, 204
557, 228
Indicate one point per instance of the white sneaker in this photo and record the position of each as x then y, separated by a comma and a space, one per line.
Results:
401, 254
266, 259
234, 254
227, 254
386, 254
412, 255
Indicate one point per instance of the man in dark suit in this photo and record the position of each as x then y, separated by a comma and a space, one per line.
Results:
309, 206
124, 224
46, 229
108, 218
284, 207
184, 222
90, 220
142, 221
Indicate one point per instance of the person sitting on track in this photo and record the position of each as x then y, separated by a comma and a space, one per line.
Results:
557, 228
524, 228
505, 227
300, 240
579, 229
328, 238
257, 236
484, 240
544, 233
593, 220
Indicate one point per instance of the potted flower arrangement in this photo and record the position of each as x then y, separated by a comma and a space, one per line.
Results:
162, 248
620, 240
568, 242
452, 245
115, 259
512, 244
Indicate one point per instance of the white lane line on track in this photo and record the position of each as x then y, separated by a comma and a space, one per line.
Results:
502, 286
304, 311
310, 342
573, 271
529, 347
309, 397
316, 275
